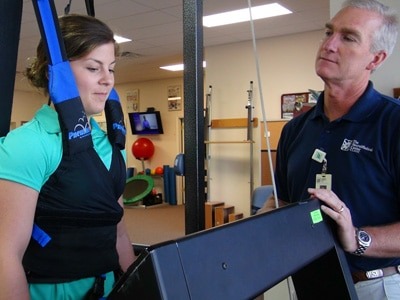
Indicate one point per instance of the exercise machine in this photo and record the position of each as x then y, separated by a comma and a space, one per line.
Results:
243, 259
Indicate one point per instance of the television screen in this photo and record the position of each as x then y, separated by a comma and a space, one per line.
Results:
146, 122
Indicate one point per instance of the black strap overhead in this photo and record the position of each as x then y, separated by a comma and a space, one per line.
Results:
10, 26
90, 7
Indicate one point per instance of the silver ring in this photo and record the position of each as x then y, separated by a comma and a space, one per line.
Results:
341, 210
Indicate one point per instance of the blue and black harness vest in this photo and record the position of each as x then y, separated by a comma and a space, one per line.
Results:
77, 207
75, 224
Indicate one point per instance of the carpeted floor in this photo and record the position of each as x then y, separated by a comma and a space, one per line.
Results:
155, 224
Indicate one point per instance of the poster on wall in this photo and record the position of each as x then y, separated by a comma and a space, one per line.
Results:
132, 101
291, 102
174, 98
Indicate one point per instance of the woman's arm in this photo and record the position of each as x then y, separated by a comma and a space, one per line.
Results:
17, 210
124, 245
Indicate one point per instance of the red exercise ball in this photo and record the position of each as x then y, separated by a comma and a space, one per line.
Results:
159, 170
143, 149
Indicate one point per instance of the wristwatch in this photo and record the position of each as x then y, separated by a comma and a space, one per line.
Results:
363, 241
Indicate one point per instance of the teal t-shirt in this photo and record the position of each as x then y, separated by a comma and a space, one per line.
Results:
32, 152
29, 155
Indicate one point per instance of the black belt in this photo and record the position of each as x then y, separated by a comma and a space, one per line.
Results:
374, 274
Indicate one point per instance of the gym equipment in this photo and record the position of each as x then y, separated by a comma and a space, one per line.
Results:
159, 171
207, 136
169, 185
143, 149
136, 188
194, 115
250, 121
130, 172
243, 259
179, 164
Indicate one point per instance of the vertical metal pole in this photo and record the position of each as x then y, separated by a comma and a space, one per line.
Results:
250, 124
207, 136
193, 115
10, 26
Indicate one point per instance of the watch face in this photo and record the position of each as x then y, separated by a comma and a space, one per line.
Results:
363, 238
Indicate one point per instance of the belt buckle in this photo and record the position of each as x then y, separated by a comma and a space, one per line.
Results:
373, 274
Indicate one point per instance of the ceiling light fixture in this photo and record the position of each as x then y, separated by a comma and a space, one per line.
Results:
243, 15
119, 39
178, 67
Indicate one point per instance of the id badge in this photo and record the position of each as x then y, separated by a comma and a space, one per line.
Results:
323, 181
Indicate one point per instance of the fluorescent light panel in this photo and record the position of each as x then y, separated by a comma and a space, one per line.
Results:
120, 39
243, 15
178, 67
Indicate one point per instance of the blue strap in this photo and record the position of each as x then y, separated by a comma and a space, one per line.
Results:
40, 236
48, 26
113, 95
115, 121
62, 86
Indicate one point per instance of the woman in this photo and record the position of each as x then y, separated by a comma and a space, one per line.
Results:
72, 200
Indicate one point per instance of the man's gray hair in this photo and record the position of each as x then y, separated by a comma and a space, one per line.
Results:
385, 37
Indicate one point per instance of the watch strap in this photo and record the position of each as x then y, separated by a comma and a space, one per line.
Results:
360, 250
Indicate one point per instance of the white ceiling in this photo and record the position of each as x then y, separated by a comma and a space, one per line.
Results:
157, 30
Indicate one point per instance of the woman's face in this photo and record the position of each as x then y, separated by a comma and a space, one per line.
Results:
94, 75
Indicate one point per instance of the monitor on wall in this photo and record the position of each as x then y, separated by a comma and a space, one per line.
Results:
143, 123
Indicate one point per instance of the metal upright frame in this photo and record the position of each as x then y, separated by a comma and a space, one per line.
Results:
193, 115
10, 26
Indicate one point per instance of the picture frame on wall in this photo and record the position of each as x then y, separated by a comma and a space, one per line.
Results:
292, 102
174, 97
132, 101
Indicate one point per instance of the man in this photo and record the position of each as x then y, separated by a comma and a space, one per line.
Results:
346, 150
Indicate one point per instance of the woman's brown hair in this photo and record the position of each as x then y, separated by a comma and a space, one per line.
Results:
81, 34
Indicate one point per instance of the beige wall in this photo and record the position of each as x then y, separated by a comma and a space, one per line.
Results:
25, 104
286, 66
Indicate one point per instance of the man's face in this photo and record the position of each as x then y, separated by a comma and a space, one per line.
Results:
344, 53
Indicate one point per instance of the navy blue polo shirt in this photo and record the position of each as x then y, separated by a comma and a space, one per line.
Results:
363, 155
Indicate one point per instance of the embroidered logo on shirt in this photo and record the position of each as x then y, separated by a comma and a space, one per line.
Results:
354, 146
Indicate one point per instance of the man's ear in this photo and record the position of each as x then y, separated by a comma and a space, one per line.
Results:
377, 60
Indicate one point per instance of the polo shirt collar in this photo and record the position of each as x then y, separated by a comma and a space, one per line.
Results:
46, 116
361, 110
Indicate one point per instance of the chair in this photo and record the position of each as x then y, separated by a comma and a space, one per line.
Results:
259, 196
